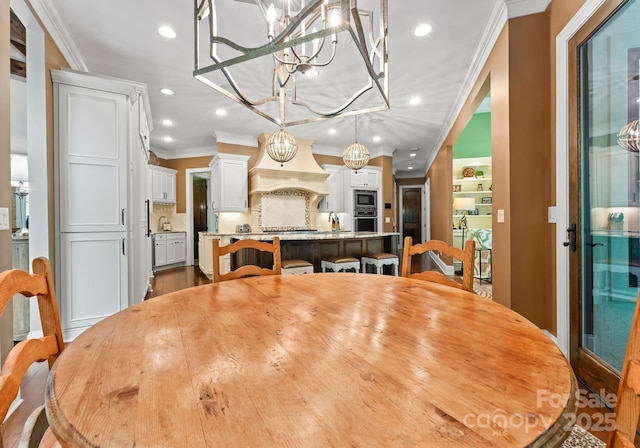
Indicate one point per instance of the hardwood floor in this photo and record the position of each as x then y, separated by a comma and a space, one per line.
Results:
174, 279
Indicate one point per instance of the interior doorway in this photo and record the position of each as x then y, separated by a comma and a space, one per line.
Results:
198, 217
199, 210
601, 234
411, 209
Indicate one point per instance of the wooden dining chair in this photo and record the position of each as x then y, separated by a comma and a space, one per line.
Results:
27, 352
627, 410
465, 256
249, 269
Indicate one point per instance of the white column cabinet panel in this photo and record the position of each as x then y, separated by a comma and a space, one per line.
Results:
92, 145
93, 278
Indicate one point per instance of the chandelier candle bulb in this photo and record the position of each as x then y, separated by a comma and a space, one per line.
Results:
271, 18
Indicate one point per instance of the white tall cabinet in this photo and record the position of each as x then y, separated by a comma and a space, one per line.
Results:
100, 166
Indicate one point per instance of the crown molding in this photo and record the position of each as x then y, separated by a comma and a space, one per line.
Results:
186, 153
495, 24
326, 150
519, 8
235, 139
59, 32
337, 152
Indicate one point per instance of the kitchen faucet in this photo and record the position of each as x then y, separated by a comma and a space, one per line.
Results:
336, 229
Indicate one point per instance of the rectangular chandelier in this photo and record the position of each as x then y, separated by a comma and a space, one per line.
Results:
295, 61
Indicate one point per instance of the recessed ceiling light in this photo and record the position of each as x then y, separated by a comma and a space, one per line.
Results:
410, 168
167, 139
415, 100
332, 131
167, 32
221, 112
422, 30
167, 91
413, 154
312, 72
167, 122
376, 138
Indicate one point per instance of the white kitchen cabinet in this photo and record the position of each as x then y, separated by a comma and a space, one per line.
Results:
163, 184
169, 248
101, 213
93, 279
334, 201
206, 254
159, 250
92, 160
144, 130
230, 183
366, 177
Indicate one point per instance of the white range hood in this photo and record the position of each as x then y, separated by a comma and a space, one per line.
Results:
300, 173
286, 197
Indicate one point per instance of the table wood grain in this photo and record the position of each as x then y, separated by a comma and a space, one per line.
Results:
312, 360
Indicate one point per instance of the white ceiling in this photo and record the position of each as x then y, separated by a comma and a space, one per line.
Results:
119, 38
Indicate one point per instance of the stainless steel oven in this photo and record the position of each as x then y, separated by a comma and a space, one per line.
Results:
365, 219
365, 211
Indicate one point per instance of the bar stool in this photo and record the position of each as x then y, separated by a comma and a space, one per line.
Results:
296, 267
342, 263
379, 260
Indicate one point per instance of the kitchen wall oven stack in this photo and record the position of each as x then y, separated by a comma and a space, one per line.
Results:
365, 211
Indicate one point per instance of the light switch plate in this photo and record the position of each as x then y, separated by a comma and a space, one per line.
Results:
387, 219
501, 215
552, 215
4, 218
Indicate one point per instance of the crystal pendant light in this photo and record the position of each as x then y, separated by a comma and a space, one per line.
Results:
356, 155
281, 146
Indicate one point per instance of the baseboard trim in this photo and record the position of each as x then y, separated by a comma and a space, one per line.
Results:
444, 268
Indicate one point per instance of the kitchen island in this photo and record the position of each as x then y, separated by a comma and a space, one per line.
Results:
306, 245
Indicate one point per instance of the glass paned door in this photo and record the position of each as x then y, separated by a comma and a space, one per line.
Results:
607, 209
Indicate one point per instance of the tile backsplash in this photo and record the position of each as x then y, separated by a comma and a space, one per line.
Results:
284, 210
178, 220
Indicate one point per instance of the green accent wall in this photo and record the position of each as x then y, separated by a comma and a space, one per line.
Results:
475, 140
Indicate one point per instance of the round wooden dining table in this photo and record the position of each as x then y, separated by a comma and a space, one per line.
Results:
332, 359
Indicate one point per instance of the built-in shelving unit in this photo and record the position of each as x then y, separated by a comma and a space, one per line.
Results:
466, 184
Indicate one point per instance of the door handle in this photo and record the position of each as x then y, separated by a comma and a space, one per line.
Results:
122, 216
123, 250
571, 233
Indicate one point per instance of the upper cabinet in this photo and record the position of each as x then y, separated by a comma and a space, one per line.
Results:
229, 183
366, 177
163, 184
334, 201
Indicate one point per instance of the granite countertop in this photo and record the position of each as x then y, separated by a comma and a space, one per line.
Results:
311, 235
162, 232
